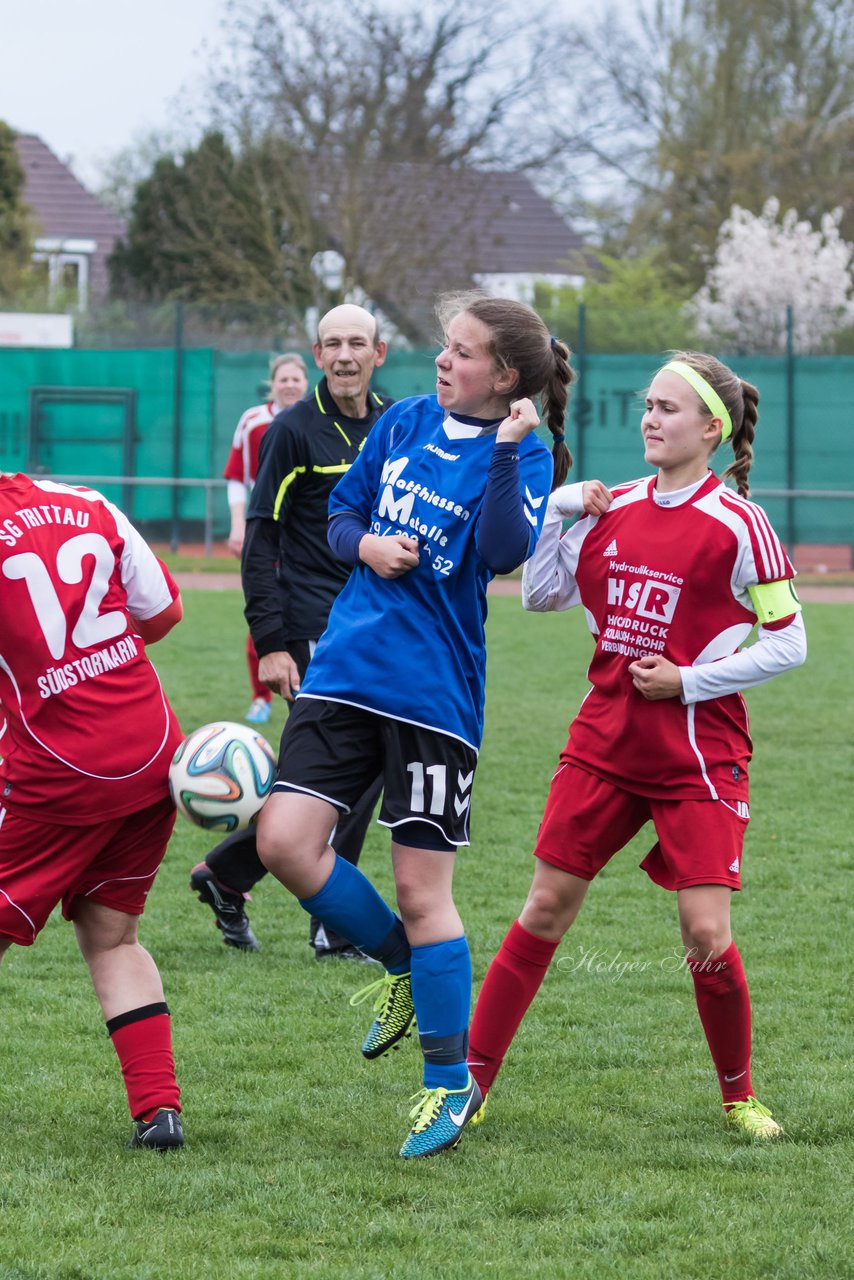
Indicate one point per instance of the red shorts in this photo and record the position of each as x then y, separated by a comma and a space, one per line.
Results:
112, 863
587, 820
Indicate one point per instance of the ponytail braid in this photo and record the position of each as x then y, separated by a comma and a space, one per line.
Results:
555, 396
743, 436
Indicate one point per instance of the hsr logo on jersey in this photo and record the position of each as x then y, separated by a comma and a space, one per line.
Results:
655, 600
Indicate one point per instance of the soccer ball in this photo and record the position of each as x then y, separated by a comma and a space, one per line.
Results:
221, 775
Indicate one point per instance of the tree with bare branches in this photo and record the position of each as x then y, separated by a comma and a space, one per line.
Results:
361, 81
353, 127
682, 108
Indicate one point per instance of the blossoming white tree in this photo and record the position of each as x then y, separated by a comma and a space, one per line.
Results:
764, 264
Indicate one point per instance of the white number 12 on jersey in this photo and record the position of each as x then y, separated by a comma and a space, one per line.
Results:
91, 627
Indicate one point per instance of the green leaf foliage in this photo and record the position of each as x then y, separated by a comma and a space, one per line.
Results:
15, 219
632, 304
220, 224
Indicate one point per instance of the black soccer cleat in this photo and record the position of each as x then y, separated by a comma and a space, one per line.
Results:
162, 1133
343, 953
227, 906
328, 945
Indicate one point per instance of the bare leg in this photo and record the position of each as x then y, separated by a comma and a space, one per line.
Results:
704, 919
424, 883
128, 986
123, 973
293, 841
553, 902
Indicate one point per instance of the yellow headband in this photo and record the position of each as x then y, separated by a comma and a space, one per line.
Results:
707, 394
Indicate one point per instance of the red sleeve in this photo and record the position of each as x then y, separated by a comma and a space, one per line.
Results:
154, 629
234, 467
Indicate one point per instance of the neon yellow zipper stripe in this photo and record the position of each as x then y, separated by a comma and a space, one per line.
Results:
283, 487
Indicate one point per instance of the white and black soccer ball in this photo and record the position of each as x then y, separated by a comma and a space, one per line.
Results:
221, 775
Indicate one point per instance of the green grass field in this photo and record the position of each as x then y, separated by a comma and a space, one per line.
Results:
604, 1153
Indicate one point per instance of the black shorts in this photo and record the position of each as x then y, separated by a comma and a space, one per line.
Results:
301, 651
333, 750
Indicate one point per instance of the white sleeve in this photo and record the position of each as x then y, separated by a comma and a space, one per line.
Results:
568, 500
773, 653
144, 579
548, 578
236, 493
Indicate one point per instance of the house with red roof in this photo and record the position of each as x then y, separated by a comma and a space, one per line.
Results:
76, 232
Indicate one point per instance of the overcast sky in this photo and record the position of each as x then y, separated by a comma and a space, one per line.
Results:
88, 75
92, 76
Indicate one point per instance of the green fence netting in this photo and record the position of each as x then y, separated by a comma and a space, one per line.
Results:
166, 414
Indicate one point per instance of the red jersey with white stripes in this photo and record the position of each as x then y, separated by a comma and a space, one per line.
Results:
242, 461
88, 733
674, 581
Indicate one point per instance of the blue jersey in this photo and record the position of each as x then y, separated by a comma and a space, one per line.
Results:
413, 648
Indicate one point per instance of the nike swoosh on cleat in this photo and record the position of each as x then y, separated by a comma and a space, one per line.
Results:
459, 1118
729, 1079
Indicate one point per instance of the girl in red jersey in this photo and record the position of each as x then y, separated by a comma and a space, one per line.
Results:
86, 737
673, 572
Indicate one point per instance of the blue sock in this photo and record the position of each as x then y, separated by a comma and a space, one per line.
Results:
350, 904
441, 993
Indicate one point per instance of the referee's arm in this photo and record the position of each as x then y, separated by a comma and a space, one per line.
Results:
261, 590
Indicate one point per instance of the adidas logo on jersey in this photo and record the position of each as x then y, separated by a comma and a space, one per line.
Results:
734, 866
611, 549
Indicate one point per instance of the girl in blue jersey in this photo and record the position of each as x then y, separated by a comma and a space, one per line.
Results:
447, 491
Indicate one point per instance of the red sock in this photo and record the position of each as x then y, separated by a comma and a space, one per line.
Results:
143, 1041
724, 1004
259, 690
512, 981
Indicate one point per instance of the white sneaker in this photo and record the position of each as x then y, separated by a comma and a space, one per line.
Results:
259, 711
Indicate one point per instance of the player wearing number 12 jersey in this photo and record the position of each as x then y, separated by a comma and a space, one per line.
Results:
85, 810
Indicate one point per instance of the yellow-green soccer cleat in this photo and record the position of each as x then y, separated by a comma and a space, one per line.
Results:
439, 1117
480, 1115
752, 1118
395, 1012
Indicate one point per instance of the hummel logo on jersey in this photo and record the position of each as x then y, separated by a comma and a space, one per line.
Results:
462, 801
734, 866
611, 549
531, 505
